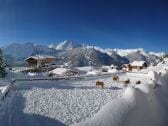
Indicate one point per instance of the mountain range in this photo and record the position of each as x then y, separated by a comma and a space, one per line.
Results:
75, 54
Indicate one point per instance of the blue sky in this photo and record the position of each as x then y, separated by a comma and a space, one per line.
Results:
105, 23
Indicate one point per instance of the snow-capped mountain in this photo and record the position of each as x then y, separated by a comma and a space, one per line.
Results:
77, 54
16, 53
65, 45
130, 54
89, 57
126, 52
20, 51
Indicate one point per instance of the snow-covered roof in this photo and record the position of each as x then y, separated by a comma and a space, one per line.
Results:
138, 63
165, 59
40, 57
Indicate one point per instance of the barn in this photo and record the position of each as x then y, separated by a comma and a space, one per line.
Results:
135, 65
138, 65
39, 61
126, 67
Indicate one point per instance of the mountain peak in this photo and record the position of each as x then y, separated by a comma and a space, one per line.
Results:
66, 45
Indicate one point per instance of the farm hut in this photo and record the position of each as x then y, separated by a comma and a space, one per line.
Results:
138, 65
126, 67
39, 61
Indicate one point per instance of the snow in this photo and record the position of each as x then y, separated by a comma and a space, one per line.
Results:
113, 66
112, 71
125, 52
40, 57
3, 91
65, 45
58, 71
86, 68
20, 69
69, 102
145, 104
152, 75
137, 63
31, 74
93, 72
160, 54
112, 113
79, 102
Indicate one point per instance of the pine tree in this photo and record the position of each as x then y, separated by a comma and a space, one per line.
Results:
2, 65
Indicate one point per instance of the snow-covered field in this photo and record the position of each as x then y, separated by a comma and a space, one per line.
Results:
67, 101
145, 104
80, 102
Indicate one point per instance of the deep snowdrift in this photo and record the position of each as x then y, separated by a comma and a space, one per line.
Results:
144, 104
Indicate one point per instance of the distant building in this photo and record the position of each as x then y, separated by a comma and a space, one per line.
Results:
39, 61
136, 65
126, 67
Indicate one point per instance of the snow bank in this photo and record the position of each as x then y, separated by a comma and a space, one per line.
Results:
3, 91
113, 112
93, 72
67, 101
152, 75
86, 68
20, 69
58, 71
112, 71
31, 74
144, 104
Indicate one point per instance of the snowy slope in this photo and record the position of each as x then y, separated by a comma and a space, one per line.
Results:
65, 45
79, 102
79, 57
16, 53
130, 54
145, 104
68, 102
125, 52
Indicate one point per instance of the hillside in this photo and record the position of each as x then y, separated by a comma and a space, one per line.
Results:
76, 54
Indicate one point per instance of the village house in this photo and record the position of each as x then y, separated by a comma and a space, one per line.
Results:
39, 61
126, 67
136, 65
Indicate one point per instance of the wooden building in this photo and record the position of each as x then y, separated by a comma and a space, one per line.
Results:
39, 61
126, 67
138, 65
